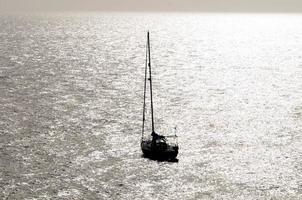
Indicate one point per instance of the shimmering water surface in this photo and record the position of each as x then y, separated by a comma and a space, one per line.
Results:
71, 93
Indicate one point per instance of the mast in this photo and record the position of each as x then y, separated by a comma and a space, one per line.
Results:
150, 79
145, 84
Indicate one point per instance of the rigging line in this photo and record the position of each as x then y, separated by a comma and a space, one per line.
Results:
150, 78
145, 84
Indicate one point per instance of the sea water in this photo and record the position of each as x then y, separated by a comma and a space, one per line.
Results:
71, 99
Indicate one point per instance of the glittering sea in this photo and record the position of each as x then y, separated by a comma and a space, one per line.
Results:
71, 96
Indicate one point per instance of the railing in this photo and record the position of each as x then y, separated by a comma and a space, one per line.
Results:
172, 140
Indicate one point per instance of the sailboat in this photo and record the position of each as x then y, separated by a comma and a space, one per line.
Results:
155, 146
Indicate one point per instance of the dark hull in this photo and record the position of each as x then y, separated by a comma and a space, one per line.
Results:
160, 155
159, 152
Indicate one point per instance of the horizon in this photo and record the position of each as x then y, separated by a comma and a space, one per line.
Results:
207, 6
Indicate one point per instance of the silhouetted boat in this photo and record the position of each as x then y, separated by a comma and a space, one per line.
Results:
157, 146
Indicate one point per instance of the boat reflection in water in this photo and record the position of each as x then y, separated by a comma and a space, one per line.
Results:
156, 146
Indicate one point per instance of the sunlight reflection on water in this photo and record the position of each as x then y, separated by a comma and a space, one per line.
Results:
71, 104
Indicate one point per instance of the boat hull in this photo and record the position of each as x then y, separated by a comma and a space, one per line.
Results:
159, 151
